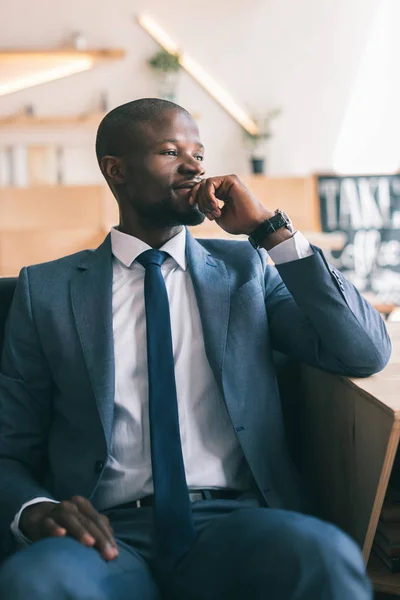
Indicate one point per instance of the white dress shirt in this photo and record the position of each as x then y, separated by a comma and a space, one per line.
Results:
211, 453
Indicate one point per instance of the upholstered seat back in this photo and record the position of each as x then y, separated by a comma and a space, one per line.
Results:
7, 288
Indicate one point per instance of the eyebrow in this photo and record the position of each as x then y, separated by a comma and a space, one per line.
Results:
174, 141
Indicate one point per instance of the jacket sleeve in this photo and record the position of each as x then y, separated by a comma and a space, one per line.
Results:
318, 317
25, 408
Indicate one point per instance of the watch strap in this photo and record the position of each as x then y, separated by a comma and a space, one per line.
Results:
279, 220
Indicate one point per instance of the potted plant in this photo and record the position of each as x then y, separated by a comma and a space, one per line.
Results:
258, 141
167, 67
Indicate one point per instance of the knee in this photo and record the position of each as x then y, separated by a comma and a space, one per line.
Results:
326, 556
329, 545
51, 568
298, 539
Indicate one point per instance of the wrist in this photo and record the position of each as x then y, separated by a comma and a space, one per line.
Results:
32, 515
276, 238
272, 231
263, 215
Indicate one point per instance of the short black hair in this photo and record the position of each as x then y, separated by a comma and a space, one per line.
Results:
113, 132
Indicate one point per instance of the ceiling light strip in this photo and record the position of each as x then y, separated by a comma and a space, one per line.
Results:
199, 74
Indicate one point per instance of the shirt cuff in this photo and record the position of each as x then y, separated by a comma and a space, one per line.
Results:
294, 248
19, 537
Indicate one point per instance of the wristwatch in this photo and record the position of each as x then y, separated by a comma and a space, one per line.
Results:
279, 220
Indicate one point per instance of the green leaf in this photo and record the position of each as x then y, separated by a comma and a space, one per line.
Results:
164, 61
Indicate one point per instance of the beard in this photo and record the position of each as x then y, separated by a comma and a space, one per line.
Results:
193, 216
168, 214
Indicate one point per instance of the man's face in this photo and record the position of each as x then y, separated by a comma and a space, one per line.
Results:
164, 164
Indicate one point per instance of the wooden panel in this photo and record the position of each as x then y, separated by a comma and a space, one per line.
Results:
295, 195
350, 431
110, 213
355, 445
93, 207
390, 454
73, 205
18, 249
51, 206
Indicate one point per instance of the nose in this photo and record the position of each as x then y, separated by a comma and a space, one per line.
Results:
192, 166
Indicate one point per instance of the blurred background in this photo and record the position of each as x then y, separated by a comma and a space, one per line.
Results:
300, 99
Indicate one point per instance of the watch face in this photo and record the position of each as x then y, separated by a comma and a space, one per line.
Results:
289, 224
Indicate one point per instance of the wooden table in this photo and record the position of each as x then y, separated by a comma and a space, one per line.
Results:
386, 308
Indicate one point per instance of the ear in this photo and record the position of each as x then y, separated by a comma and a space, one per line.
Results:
113, 169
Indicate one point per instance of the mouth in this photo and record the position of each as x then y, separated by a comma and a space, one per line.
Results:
186, 185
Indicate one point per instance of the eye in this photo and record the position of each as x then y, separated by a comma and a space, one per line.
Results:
170, 153
199, 157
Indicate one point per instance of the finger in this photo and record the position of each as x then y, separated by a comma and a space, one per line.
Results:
86, 508
52, 529
204, 200
199, 197
98, 526
193, 194
210, 198
76, 528
103, 544
196, 191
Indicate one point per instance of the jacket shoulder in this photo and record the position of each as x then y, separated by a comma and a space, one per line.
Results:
59, 264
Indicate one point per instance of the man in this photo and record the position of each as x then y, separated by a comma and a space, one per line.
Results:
142, 452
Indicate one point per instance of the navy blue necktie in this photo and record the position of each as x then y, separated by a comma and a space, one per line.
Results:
174, 527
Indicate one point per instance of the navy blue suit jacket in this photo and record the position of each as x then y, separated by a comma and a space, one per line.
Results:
57, 370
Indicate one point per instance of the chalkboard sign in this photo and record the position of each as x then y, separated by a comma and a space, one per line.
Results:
367, 210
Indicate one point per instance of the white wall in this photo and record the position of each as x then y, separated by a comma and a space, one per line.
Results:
302, 56
369, 140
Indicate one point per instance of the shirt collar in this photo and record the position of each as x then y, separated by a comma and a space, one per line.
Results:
127, 247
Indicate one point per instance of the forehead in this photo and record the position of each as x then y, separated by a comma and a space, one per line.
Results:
168, 125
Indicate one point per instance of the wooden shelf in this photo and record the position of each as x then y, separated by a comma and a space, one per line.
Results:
22, 69
10, 56
21, 120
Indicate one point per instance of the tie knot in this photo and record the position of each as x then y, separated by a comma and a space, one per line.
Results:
152, 257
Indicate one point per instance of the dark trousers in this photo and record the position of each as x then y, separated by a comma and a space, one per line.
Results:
243, 552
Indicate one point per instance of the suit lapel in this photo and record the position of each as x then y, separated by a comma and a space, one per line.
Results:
211, 283
91, 295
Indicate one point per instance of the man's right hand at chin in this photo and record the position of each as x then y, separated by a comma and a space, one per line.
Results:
75, 517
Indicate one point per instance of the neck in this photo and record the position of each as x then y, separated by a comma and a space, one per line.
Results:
154, 236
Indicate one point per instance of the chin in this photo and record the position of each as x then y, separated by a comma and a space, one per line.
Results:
172, 213
190, 217
194, 217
